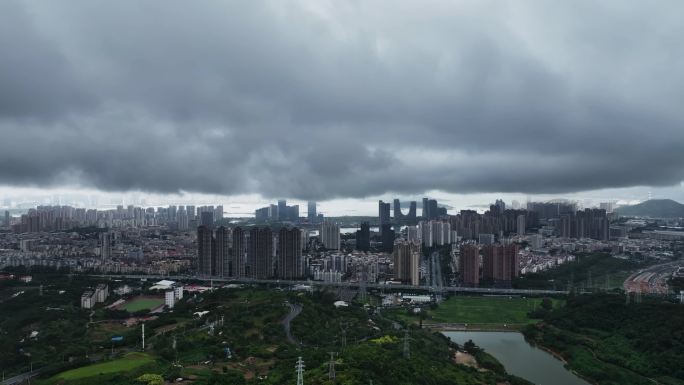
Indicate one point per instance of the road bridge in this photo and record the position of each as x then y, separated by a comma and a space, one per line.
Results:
426, 288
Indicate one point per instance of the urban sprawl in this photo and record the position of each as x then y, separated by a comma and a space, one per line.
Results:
487, 249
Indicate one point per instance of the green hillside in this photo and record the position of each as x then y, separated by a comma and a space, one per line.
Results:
654, 208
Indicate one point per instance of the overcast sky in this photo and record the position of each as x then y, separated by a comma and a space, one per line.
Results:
333, 99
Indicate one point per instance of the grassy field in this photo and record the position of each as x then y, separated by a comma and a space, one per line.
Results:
104, 330
142, 303
130, 362
486, 310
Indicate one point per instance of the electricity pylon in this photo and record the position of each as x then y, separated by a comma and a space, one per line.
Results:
331, 366
300, 371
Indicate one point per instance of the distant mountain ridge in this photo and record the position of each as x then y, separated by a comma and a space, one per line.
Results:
654, 208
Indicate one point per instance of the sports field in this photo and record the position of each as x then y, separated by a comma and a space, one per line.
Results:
486, 310
142, 303
129, 362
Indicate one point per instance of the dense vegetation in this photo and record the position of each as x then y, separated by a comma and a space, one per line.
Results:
55, 315
611, 342
375, 348
595, 271
241, 340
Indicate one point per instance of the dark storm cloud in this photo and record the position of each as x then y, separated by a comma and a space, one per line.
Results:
332, 99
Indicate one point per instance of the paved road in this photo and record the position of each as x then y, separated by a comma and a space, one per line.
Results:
20, 378
653, 279
295, 309
436, 273
475, 290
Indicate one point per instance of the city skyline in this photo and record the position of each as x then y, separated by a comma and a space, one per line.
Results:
245, 205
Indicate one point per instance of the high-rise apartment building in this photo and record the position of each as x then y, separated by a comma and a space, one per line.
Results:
469, 265
207, 218
192, 213
431, 209
330, 235
434, 233
406, 262
413, 234
311, 211
608, 206
183, 221
501, 205
222, 261
383, 215
205, 244
218, 213
290, 264
512, 259
237, 253
588, 223
387, 236
500, 264
400, 218
520, 225
106, 245
260, 252
490, 253
282, 210
363, 237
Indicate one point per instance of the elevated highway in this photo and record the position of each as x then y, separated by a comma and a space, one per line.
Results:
425, 288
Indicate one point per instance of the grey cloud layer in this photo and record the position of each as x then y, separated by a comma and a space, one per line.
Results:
332, 99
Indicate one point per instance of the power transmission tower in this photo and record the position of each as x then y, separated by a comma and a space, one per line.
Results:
407, 345
300, 371
331, 366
